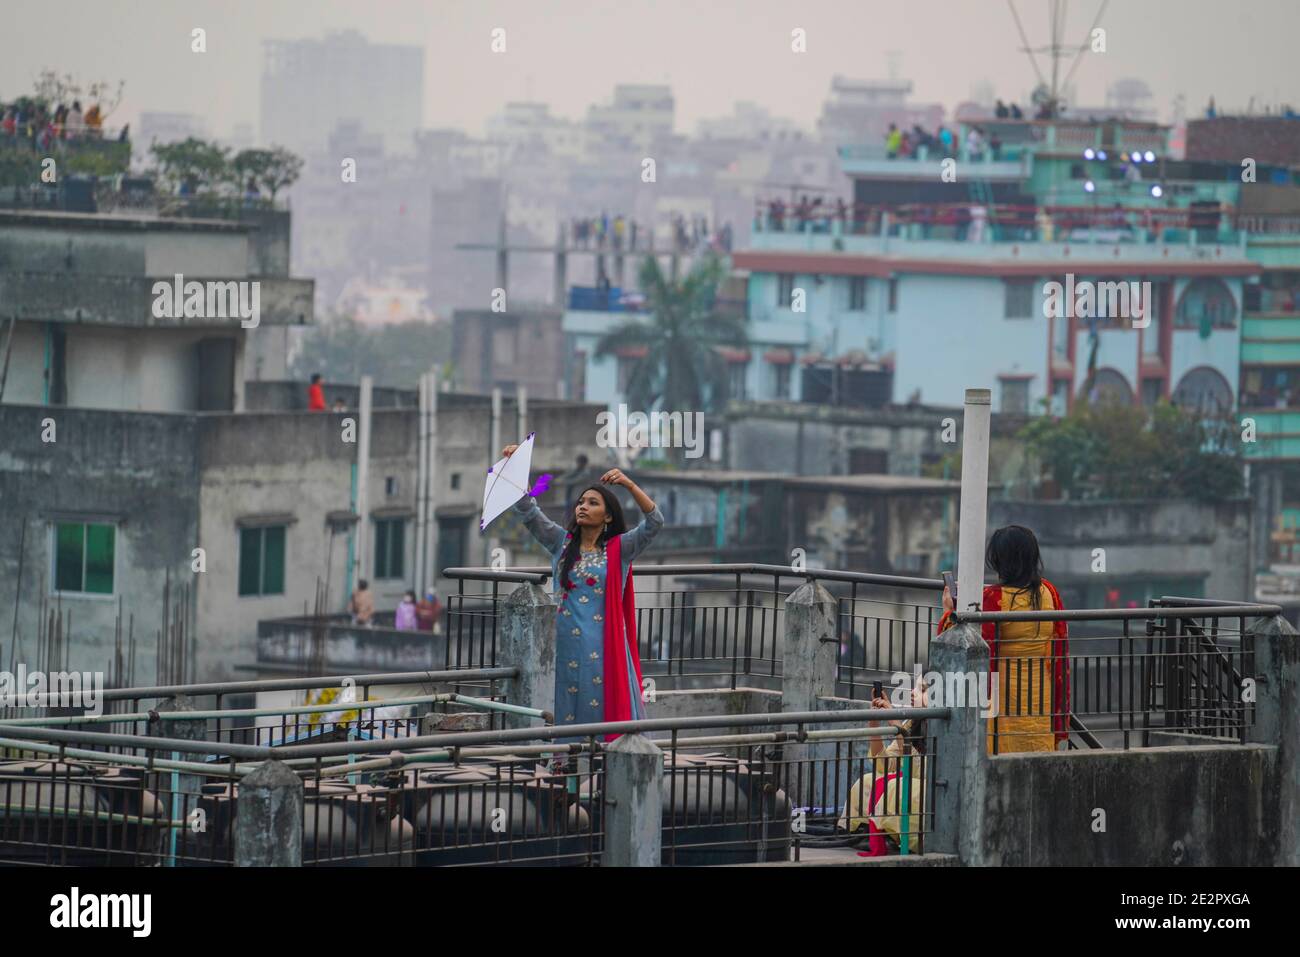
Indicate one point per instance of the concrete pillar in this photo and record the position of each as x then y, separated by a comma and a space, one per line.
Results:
268, 822
189, 730
361, 557
974, 498
1277, 716
503, 256
527, 642
960, 761
561, 268
634, 771
811, 649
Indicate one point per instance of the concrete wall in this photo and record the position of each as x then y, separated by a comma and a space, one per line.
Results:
1155, 541
1190, 806
138, 472
520, 347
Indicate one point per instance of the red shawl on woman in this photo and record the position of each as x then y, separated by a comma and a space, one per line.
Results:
1060, 653
620, 638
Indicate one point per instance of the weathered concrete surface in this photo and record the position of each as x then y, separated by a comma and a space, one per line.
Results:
808, 670
1197, 806
678, 704
138, 471
527, 641
634, 769
186, 730
815, 858
1202, 542
1277, 722
364, 650
268, 824
960, 759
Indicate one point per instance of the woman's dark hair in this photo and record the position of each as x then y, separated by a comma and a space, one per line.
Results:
915, 734
615, 526
1013, 556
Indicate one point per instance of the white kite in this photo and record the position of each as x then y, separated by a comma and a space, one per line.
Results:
507, 482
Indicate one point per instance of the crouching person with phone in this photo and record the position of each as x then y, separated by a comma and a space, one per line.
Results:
876, 803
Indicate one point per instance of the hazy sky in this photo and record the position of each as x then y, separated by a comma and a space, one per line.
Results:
713, 52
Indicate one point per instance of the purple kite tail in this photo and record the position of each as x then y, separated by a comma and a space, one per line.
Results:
540, 486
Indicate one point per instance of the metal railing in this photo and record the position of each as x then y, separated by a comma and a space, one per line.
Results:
487, 797
725, 623
1177, 672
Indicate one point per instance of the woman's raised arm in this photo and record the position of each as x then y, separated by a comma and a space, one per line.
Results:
548, 534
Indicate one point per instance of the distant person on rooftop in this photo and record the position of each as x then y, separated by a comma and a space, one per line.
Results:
1209, 110
1001, 111
339, 406
893, 141
1016, 113
316, 394
946, 141
361, 606
404, 618
76, 121
94, 121
251, 192
427, 610
974, 144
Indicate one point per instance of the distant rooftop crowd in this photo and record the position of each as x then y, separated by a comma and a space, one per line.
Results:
36, 123
621, 233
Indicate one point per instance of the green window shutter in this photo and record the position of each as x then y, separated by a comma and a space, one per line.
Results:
101, 543
250, 561
397, 553
69, 556
273, 560
381, 549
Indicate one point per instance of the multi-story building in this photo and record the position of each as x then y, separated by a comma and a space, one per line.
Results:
636, 116
310, 85
861, 111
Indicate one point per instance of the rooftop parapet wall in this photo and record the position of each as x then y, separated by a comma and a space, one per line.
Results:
130, 300
1188, 806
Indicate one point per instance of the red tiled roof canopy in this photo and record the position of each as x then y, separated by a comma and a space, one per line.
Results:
631, 352
779, 356
732, 355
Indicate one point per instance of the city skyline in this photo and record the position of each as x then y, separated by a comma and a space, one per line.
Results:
573, 60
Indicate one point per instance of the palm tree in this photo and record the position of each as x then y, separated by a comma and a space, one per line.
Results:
681, 369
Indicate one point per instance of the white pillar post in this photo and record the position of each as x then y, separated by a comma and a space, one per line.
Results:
974, 498
363, 479
421, 479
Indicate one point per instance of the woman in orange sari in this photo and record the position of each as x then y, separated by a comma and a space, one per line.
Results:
1029, 658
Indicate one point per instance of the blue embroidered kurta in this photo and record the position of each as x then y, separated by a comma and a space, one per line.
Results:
580, 615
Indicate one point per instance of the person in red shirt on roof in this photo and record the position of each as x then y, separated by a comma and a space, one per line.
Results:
316, 394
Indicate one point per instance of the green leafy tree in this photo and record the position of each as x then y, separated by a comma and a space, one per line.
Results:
681, 369
201, 164
1117, 451
272, 170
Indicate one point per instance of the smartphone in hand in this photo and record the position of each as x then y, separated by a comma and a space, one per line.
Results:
950, 581
877, 690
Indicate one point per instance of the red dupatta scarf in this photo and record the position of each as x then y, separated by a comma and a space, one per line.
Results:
620, 637
1060, 653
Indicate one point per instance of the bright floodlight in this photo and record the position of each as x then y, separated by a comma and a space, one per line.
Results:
1101, 155
1088, 153
1089, 186
1157, 192
1136, 158
1150, 157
